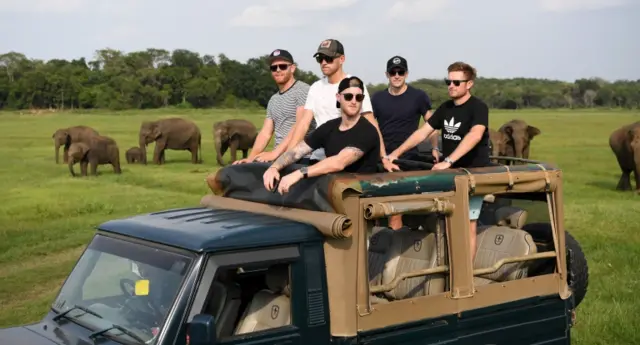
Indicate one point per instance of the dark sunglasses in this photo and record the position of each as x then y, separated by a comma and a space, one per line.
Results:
349, 96
455, 82
282, 66
399, 72
328, 59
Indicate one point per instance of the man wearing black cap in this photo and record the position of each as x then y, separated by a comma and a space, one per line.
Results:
351, 142
320, 106
282, 110
398, 110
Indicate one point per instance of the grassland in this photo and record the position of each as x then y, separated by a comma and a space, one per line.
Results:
46, 217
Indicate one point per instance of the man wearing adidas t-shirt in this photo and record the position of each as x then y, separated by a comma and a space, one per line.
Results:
321, 99
464, 122
282, 110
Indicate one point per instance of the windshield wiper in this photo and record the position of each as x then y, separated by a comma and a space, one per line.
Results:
93, 335
84, 309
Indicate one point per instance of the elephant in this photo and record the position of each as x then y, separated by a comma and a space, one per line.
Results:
517, 135
66, 136
625, 144
234, 134
134, 155
498, 145
99, 150
171, 133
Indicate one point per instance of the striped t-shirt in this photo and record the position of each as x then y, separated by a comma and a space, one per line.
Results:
282, 109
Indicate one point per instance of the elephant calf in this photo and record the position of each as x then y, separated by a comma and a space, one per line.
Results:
100, 150
625, 144
134, 155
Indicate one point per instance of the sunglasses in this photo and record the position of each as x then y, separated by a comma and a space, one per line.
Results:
455, 82
349, 96
399, 72
328, 59
282, 66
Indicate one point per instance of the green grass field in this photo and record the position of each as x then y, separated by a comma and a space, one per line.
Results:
46, 216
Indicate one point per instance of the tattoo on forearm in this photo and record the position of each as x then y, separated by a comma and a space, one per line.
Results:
354, 153
291, 156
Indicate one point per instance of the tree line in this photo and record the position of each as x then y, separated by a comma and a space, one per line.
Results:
156, 78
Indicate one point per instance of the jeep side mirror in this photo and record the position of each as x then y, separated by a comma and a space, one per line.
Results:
202, 330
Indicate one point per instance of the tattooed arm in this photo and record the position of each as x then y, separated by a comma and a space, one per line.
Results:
336, 163
291, 156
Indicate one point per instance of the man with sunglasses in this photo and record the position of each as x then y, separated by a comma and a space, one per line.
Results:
320, 106
350, 142
397, 111
284, 107
464, 122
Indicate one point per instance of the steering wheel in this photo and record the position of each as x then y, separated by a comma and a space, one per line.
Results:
138, 304
408, 165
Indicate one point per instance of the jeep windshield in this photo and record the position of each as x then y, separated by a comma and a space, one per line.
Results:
122, 290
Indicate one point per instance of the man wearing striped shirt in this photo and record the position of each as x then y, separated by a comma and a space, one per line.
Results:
282, 110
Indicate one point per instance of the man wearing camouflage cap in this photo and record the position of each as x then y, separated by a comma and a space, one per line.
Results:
351, 142
320, 105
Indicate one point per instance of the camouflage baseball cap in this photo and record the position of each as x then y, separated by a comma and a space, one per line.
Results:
330, 47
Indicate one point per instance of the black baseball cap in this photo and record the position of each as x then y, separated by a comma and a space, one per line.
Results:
397, 61
280, 54
348, 82
330, 47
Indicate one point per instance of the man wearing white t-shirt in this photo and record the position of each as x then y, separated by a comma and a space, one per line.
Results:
321, 99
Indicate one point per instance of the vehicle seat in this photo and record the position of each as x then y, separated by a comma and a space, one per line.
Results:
412, 250
511, 216
269, 308
224, 306
379, 245
495, 243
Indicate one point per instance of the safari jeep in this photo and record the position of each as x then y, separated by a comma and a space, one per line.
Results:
318, 266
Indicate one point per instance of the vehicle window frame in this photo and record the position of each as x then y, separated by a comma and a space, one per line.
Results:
289, 254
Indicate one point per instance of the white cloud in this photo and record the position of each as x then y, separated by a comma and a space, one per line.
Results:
264, 16
285, 13
578, 5
340, 29
415, 11
49, 6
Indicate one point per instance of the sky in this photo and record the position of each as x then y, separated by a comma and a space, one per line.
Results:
553, 39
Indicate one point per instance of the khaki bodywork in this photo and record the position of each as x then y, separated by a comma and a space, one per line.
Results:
347, 232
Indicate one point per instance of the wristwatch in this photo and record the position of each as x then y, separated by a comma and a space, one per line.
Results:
304, 172
448, 160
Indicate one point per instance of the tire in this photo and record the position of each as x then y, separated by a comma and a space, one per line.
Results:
577, 267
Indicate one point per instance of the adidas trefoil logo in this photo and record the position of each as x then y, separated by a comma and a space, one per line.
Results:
450, 126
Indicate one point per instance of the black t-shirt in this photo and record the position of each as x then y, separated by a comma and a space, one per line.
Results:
363, 135
399, 116
455, 121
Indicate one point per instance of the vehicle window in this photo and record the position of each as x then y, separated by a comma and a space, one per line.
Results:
250, 299
126, 284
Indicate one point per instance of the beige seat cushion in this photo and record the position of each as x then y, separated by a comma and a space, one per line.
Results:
269, 308
379, 245
410, 251
498, 242
511, 216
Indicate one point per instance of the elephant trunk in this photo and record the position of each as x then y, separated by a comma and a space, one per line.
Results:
219, 152
143, 148
519, 148
72, 162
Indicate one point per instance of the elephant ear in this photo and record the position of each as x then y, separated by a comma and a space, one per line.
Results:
508, 130
533, 131
155, 132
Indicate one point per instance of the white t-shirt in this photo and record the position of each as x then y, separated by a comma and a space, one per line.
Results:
321, 99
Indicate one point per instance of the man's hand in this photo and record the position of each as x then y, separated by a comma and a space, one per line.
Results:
242, 161
289, 181
269, 178
266, 157
441, 166
388, 164
436, 155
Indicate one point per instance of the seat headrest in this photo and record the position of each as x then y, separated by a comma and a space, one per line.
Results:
511, 216
277, 279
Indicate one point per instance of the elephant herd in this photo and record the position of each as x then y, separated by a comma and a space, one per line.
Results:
85, 145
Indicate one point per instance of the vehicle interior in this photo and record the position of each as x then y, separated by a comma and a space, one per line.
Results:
245, 300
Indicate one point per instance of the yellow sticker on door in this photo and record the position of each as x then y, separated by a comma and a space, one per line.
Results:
142, 287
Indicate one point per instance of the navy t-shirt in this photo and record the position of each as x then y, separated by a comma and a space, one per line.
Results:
455, 121
363, 135
399, 116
